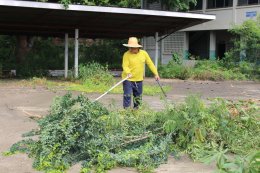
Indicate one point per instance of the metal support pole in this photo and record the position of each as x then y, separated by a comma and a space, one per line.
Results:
156, 50
66, 55
76, 61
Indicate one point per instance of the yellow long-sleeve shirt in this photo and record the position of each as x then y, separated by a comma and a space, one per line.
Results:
134, 64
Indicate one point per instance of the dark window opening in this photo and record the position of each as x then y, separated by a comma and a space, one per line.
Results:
253, 1
248, 2
198, 6
221, 50
219, 3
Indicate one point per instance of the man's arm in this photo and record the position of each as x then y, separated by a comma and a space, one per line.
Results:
125, 66
151, 66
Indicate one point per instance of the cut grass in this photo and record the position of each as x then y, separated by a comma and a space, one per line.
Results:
147, 89
54, 85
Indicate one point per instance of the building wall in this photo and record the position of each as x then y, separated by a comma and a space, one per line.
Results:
200, 44
149, 46
243, 12
226, 17
172, 44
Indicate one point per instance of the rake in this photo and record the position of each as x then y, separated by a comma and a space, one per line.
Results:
111, 88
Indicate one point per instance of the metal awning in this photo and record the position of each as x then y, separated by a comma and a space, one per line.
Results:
51, 19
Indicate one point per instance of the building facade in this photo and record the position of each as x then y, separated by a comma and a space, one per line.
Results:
209, 40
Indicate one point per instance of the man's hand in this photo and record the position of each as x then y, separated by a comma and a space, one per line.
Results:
157, 77
129, 75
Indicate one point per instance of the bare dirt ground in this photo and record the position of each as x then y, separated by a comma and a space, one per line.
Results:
18, 103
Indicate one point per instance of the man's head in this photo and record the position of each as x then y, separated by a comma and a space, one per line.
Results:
133, 45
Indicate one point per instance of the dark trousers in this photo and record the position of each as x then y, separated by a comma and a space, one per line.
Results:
135, 88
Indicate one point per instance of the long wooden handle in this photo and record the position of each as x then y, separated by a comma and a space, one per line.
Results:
112, 88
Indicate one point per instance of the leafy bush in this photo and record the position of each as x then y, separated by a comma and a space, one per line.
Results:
80, 130
104, 52
246, 42
174, 70
1, 69
211, 70
7, 52
95, 73
45, 55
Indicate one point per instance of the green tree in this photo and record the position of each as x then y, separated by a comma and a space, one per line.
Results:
169, 4
246, 41
176, 5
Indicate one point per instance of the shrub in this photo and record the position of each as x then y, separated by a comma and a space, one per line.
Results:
174, 70
212, 70
104, 52
7, 52
95, 73
246, 42
217, 70
1, 69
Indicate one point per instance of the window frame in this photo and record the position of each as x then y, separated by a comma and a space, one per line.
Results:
215, 4
247, 3
198, 8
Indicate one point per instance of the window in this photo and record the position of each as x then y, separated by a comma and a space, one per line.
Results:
174, 43
198, 6
219, 3
248, 2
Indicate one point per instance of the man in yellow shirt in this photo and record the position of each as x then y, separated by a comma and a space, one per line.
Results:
133, 67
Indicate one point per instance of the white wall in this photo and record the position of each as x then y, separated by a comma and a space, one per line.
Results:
241, 13
226, 17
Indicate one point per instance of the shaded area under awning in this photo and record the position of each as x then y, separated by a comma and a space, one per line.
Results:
51, 19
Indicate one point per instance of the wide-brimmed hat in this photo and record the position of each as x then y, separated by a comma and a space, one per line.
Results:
132, 42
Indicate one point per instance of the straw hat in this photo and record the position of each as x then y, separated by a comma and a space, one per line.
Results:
132, 42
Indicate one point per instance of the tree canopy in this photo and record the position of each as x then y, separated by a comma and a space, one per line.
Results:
169, 4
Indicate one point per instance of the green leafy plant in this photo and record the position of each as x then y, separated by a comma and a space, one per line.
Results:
95, 73
77, 129
238, 164
246, 42
80, 130
176, 58
174, 69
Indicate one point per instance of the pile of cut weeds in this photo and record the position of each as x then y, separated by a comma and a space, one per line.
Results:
79, 130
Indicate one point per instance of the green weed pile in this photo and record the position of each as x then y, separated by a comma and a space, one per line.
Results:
79, 130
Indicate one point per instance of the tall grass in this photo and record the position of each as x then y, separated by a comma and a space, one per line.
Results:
211, 70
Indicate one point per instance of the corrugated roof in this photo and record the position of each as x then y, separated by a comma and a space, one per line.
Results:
51, 19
